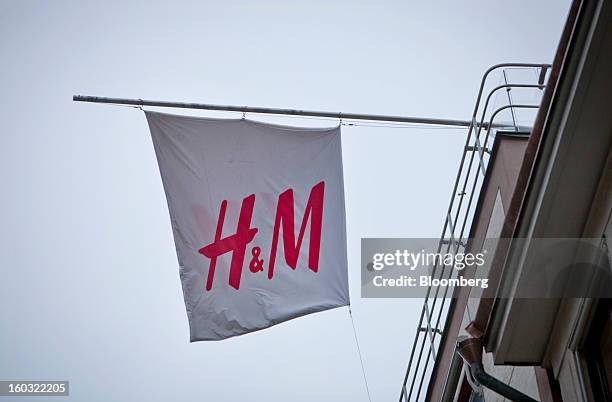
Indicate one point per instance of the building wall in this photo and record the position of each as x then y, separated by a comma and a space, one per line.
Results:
498, 187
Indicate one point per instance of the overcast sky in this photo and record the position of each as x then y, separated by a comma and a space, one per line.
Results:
90, 290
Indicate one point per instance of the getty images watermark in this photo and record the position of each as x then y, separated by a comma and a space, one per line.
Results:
555, 268
414, 260
409, 267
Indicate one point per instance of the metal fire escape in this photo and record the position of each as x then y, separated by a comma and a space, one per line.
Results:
531, 79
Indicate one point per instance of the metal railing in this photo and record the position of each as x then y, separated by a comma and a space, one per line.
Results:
459, 217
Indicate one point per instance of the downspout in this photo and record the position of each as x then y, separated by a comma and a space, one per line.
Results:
471, 352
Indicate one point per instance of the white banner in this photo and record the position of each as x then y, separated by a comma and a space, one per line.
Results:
257, 212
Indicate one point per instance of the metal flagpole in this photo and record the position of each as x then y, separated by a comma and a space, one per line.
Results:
289, 112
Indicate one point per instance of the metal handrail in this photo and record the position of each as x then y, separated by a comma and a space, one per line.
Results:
511, 107
476, 128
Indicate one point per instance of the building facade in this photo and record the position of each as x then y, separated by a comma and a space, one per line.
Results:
552, 181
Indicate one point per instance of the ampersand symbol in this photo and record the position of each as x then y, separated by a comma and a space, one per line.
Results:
256, 264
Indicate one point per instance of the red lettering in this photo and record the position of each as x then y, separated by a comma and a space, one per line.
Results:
235, 243
285, 216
